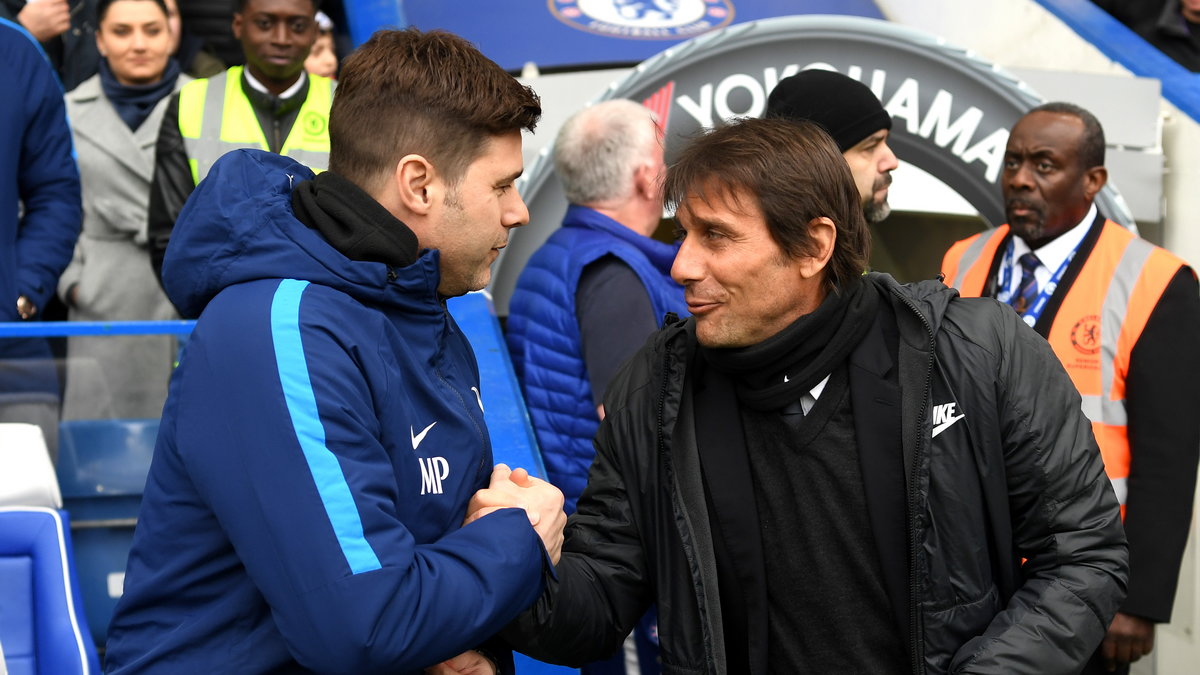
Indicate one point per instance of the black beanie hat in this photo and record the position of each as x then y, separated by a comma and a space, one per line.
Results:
843, 106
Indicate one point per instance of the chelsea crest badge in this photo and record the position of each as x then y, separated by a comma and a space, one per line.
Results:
644, 19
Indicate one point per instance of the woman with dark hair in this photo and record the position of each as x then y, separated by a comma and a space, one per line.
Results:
115, 116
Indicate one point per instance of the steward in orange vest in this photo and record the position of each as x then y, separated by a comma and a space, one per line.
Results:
1123, 317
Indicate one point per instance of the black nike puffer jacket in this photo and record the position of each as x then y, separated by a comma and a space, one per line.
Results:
1017, 477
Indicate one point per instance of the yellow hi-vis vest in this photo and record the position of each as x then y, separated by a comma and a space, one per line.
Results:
1093, 333
215, 116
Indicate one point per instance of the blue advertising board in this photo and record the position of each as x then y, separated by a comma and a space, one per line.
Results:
558, 34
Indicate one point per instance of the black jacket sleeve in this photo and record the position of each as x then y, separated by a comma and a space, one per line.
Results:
1162, 392
171, 187
1065, 520
602, 586
603, 580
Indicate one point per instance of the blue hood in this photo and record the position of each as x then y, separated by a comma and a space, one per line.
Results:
238, 226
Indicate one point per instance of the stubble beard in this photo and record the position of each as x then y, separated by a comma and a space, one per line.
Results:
876, 212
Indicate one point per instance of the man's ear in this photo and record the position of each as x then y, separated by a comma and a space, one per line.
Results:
645, 180
822, 234
417, 184
237, 25
1094, 180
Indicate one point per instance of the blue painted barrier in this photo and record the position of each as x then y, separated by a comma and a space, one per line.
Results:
101, 328
1118, 42
513, 442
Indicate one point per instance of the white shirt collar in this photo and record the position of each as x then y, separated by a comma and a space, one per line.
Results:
807, 401
288, 93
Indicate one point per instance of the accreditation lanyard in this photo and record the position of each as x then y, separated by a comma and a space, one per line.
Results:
1034, 311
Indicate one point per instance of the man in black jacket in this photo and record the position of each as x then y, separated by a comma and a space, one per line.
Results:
825, 471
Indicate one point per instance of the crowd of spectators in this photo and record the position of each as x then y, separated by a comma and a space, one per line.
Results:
80, 191
1173, 26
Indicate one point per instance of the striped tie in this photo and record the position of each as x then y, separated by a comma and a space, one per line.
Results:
1028, 290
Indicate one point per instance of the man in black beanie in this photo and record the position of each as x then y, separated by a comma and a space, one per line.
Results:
853, 116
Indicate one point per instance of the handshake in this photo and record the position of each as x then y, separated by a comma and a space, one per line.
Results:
515, 488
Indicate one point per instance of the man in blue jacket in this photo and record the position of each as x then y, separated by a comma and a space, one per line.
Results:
324, 432
591, 294
40, 213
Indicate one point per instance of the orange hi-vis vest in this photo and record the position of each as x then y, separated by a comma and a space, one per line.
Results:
1094, 330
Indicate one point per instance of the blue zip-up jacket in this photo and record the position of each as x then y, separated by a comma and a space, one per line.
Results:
37, 174
320, 441
544, 339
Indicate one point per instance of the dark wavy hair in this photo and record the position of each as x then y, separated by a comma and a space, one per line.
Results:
432, 94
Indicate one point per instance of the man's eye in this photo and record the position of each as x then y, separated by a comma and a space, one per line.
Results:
263, 24
1045, 166
300, 25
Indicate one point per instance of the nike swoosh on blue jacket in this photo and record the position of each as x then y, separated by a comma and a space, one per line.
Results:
288, 523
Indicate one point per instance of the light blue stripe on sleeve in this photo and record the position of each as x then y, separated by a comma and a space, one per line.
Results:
302, 406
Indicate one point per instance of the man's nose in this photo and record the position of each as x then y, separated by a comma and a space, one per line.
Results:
687, 266
517, 212
888, 162
281, 34
1020, 178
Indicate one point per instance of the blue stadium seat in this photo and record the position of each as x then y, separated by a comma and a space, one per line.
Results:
42, 627
102, 468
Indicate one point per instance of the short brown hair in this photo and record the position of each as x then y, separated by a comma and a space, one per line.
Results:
432, 94
794, 171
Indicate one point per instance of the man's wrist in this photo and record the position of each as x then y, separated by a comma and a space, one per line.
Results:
490, 659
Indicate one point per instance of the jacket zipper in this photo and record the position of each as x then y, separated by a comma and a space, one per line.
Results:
914, 613
483, 467
705, 631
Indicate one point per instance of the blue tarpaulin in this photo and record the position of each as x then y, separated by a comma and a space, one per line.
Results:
558, 34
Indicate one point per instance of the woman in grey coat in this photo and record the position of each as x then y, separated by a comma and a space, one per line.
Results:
115, 117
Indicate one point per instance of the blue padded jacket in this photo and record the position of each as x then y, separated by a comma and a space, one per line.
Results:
544, 339
321, 438
40, 208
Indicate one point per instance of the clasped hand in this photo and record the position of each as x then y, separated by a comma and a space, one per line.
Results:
515, 488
